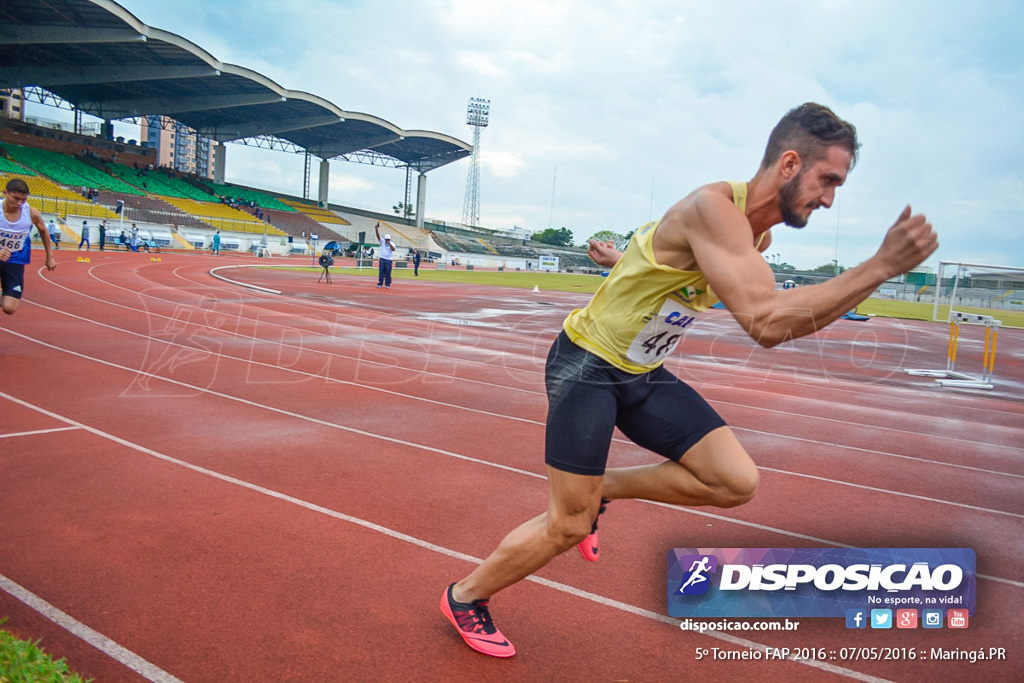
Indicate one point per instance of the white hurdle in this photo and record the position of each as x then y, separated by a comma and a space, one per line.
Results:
950, 377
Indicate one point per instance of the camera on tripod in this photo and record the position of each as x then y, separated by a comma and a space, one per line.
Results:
325, 261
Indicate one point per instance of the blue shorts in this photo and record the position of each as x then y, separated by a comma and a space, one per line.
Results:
588, 398
12, 279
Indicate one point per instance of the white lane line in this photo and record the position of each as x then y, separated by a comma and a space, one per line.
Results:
413, 540
711, 367
687, 368
37, 431
447, 453
440, 451
115, 651
514, 418
214, 273
891, 493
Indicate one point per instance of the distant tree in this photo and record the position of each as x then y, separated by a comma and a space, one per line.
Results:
604, 235
562, 237
828, 269
403, 209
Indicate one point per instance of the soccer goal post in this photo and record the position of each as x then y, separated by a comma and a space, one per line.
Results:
996, 291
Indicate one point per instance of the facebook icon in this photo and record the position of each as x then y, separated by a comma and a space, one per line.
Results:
856, 618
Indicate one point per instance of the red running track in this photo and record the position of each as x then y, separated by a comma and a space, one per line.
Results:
204, 482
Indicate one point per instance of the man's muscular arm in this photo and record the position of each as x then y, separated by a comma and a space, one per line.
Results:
719, 237
44, 235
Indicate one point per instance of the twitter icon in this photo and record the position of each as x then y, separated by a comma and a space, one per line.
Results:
881, 618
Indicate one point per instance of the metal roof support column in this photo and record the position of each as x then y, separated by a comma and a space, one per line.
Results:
325, 177
421, 198
305, 175
220, 160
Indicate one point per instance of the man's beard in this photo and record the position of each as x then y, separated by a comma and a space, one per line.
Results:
787, 203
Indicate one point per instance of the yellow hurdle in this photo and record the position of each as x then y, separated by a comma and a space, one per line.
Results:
950, 377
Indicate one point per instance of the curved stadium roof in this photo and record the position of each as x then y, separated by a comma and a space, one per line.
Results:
97, 56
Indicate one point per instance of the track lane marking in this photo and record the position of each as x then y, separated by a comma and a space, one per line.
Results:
403, 442
37, 431
418, 542
537, 393
707, 366
109, 647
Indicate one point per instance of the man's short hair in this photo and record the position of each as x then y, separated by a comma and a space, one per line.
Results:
810, 130
17, 185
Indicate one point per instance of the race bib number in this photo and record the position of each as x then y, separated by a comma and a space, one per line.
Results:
15, 241
661, 334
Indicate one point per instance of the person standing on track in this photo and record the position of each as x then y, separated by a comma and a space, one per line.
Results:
605, 368
386, 260
85, 236
15, 245
54, 232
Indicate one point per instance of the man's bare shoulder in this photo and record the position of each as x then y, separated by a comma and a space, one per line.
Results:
699, 213
707, 207
702, 202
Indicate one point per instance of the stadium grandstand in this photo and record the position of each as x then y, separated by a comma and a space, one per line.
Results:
139, 72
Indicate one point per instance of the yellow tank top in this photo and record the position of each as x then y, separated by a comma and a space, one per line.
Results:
642, 309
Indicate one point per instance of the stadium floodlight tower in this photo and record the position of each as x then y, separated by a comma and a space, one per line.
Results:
477, 114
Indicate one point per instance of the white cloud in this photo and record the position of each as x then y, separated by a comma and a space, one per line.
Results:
632, 99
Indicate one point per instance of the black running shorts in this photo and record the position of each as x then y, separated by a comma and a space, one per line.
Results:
12, 279
588, 398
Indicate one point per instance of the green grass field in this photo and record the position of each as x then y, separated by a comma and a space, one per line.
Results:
560, 282
571, 282
23, 661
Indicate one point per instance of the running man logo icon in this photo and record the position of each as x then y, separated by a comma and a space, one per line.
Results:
696, 581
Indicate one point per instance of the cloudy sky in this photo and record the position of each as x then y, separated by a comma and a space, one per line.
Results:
603, 113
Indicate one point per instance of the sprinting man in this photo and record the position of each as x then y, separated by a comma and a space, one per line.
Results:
605, 368
15, 245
